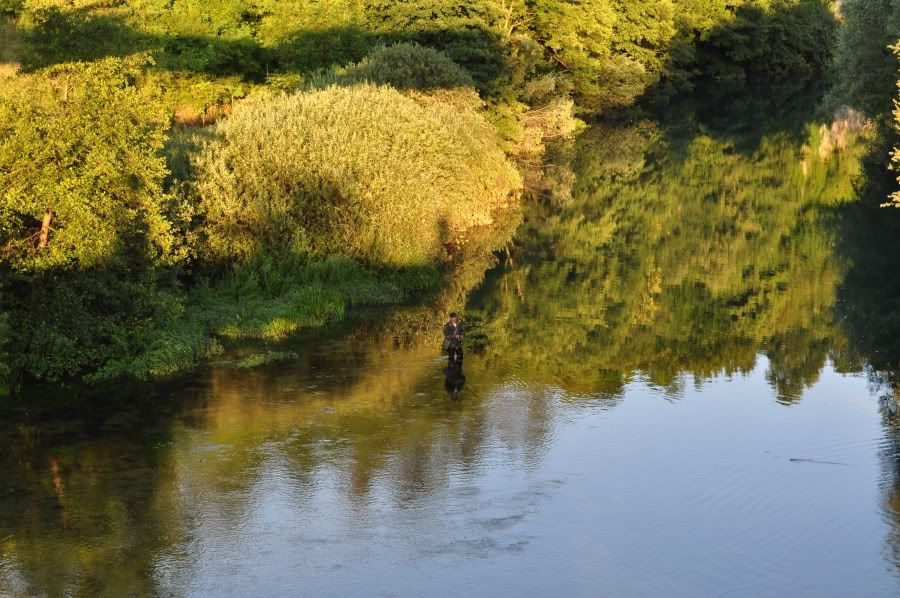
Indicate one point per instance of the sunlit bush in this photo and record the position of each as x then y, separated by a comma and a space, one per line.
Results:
362, 171
80, 171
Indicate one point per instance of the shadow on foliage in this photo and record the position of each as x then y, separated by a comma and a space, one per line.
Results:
784, 42
64, 36
743, 115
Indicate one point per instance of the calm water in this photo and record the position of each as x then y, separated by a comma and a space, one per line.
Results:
680, 382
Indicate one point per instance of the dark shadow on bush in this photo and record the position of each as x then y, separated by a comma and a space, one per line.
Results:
760, 69
785, 42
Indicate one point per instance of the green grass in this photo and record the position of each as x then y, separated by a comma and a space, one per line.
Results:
269, 300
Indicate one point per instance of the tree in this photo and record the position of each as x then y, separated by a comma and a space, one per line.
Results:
864, 66
80, 169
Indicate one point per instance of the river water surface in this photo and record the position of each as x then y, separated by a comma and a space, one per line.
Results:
679, 381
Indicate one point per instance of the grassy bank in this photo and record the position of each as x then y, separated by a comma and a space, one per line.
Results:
264, 301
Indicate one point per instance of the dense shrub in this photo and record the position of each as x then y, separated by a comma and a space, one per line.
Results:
66, 324
426, 75
80, 169
404, 66
86, 230
470, 32
361, 171
612, 51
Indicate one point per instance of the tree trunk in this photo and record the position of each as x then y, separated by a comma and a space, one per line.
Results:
45, 230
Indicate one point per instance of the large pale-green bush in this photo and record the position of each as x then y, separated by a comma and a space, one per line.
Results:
362, 171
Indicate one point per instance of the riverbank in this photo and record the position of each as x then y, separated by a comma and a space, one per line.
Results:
294, 208
170, 183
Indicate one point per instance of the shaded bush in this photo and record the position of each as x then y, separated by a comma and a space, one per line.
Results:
426, 75
360, 171
865, 69
404, 66
468, 31
67, 324
789, 39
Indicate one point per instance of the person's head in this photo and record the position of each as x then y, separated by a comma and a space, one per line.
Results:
454, 317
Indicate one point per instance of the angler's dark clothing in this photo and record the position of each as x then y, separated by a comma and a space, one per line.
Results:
453, 340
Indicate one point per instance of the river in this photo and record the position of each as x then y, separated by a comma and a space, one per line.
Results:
679, 381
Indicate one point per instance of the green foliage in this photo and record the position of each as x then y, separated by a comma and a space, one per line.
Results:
361, 171
306, 36
403, 66
71, 323
866, 72
608, 53
468, 31
79, 145
85, 227
865, 68
10, 7
613, 51
789, 38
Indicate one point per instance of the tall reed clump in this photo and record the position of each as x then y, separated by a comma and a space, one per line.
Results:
362, 171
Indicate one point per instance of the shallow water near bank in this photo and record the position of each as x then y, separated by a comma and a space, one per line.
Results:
679, 382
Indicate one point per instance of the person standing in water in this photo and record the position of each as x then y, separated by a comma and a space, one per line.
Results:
453, 337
